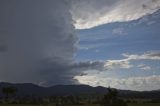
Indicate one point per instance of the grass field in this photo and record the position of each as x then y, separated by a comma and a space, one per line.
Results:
132, 104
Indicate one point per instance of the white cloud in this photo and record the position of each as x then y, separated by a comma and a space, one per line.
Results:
91, 13
90, 80
126, 62
132, 83
153, 55
144, 67
119, 31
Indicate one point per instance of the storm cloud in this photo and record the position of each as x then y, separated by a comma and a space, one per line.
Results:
37, 41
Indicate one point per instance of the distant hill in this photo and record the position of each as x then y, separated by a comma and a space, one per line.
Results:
25, 89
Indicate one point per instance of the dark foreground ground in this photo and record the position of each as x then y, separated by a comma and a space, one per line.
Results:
130, 104
74, 95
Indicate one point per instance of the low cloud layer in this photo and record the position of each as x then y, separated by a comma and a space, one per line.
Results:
91, 13
131, 83
106, 77
126, 62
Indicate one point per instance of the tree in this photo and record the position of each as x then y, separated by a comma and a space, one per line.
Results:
9, 91
111, 99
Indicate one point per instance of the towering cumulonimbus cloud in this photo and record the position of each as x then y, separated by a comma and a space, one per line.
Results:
37, 41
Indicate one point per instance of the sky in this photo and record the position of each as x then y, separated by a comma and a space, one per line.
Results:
110, 43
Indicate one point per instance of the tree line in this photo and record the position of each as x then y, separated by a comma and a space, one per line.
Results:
109, 99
